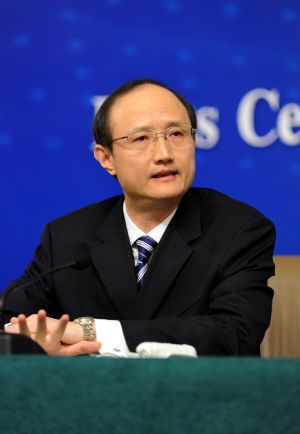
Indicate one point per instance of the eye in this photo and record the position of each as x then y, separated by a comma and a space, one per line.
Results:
141, 138
178, 132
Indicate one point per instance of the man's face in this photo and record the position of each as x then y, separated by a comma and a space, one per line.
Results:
162, 173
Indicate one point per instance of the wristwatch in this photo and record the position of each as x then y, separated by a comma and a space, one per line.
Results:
88, 325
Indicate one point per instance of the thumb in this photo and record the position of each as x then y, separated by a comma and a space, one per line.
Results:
82, 347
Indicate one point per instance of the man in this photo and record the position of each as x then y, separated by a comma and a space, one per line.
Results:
204, 280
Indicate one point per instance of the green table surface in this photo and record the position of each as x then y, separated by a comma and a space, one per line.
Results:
42, 394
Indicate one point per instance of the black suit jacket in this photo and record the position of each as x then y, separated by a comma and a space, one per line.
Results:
206, 284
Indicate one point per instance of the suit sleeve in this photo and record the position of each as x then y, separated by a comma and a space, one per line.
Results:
239, 307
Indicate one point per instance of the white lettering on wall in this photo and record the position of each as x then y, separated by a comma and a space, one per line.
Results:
289, 119
208, 133
246, 115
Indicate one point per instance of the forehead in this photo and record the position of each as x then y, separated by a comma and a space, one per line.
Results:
146, 106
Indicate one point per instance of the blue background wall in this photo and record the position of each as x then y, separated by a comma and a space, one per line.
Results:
57, 55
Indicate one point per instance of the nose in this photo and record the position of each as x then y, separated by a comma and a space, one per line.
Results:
162, 149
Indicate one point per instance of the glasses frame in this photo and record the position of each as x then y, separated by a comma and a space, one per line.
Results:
156, 133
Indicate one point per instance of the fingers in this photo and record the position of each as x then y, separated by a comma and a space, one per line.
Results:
52, 335
12, 326
41, 328
23, 327
60, 328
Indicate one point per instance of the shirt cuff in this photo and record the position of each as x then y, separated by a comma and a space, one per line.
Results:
110, 334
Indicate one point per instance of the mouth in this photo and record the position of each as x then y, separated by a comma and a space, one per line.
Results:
165, 174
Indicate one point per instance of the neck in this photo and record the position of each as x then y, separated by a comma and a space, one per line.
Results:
148, 216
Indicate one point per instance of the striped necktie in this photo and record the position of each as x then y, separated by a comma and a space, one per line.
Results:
145, 246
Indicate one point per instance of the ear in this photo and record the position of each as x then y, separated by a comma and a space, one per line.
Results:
105, 158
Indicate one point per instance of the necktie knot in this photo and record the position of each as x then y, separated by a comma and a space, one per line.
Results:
145, 246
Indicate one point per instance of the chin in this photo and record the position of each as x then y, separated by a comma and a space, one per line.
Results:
169, 194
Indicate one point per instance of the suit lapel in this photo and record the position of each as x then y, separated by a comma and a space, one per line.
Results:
173, 251
113, 259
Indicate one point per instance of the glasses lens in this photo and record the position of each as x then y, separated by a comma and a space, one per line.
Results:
143, 139
140, 138
178, 135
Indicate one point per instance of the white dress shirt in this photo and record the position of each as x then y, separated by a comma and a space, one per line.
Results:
109, 332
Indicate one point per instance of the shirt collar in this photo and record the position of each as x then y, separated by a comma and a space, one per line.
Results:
134, 232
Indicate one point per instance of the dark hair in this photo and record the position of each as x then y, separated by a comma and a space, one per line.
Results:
101, 130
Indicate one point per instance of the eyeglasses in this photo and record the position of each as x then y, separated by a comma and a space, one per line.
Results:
145, 138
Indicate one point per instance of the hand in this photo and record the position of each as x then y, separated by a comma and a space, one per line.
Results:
57, 337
